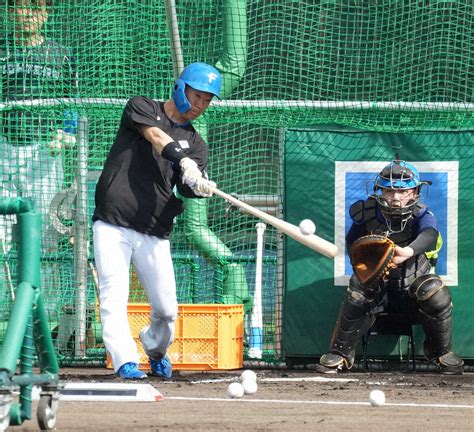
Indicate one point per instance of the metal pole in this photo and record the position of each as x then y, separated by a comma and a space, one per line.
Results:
175, 42
320, 105
81, 239
280, 266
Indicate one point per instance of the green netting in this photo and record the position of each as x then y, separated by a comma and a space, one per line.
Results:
382, 66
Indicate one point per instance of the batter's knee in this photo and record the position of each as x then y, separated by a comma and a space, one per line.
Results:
167, 315
431, 294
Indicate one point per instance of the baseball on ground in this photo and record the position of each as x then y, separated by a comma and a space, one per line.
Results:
235, 390
248, 375
250, 386
377, 398
307, 227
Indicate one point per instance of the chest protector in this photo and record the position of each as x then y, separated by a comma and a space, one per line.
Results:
400, 278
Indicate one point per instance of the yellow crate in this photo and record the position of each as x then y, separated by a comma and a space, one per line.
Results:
207, 336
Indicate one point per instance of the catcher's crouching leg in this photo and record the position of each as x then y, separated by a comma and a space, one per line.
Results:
355, 318
434, 304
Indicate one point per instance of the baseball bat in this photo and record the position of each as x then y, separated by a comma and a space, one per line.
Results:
256, 320
95, 277
311, 241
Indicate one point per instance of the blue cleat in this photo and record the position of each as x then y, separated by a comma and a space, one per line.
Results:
130, 371
161, 368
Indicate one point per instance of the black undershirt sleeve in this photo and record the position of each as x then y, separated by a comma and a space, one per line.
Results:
425, 242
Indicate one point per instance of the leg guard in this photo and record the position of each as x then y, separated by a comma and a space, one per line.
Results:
355, 318
435, 307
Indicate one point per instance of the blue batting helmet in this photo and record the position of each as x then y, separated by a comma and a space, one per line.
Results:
199, 76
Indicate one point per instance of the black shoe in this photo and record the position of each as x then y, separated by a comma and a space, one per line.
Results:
331, 362
449, 363
325, 370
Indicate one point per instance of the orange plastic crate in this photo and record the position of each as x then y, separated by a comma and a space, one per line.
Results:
207, 336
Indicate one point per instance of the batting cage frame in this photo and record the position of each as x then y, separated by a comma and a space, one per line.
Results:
314, 94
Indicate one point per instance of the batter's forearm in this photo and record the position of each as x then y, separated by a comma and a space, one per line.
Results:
156, 137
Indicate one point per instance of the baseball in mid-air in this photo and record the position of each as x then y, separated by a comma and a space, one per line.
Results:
377, 398
235, 390
307, 227
248, 375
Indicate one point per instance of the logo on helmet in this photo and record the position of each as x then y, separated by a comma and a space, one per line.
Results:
212, 76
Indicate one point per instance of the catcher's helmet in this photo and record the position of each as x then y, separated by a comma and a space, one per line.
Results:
199, 76
397, 176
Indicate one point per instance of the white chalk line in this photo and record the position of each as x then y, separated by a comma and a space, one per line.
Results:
318, 402
311, 379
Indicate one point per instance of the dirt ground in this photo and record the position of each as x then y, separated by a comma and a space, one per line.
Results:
296, 400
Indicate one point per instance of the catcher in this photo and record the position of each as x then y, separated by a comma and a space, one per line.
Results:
393, 245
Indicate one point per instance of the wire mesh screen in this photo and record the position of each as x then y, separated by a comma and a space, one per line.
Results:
69, 67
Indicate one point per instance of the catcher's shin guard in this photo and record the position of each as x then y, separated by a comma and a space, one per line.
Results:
355, 318
435, 307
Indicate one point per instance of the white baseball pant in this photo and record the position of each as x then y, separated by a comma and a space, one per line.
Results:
114, 249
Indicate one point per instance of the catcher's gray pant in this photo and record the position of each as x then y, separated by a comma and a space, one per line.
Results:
114, 248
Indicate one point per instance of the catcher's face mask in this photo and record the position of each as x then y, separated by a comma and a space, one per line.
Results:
397, 191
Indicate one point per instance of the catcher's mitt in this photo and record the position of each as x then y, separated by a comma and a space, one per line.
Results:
371, 258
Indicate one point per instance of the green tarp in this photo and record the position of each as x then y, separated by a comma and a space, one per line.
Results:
312, 159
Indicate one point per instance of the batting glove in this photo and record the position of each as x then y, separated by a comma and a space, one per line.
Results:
191, 173
204, 188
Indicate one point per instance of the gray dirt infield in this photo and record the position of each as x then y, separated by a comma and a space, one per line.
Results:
286, 400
